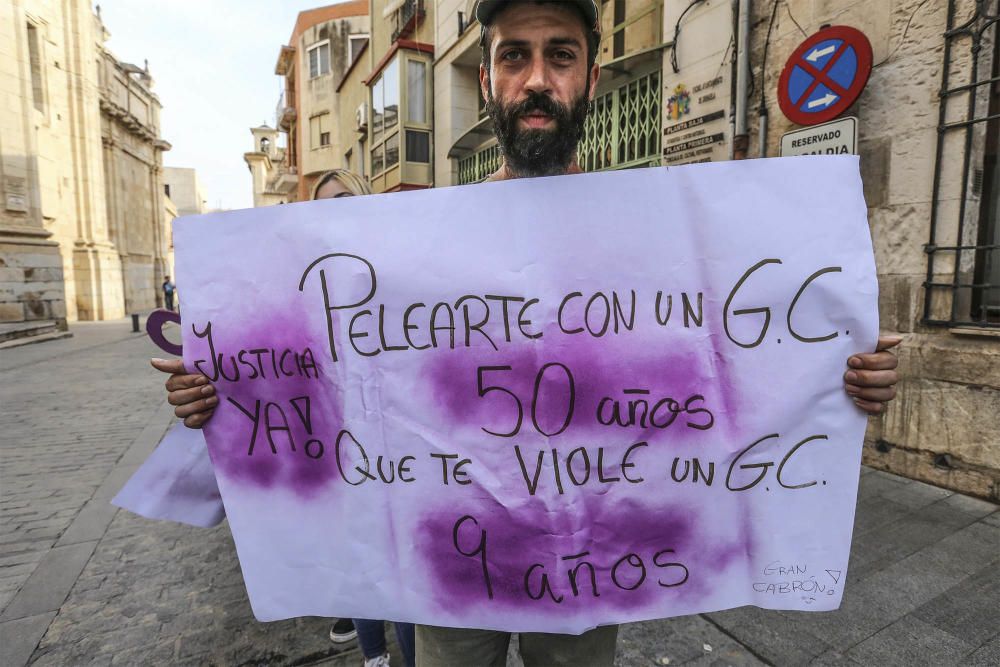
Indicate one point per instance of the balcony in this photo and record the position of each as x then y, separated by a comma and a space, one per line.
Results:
479, 165
472, 138
286, 182
286, 118
638, 32
406, 18
623, 130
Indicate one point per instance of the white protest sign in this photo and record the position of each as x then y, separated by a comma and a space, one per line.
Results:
544, 404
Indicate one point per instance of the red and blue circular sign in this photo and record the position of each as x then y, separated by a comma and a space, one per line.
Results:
825, 75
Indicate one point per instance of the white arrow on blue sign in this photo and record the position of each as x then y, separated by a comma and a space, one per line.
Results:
825, 75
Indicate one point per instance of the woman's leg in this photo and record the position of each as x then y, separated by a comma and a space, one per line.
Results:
371, 637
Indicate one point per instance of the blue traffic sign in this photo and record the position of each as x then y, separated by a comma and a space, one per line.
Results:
825, 75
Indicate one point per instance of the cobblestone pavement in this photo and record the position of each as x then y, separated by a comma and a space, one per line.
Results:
82, 583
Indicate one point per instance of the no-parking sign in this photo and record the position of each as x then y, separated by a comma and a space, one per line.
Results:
825, 75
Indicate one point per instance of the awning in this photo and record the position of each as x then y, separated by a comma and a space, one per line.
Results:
472, 138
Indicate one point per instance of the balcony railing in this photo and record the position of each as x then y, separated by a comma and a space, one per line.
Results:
479, 165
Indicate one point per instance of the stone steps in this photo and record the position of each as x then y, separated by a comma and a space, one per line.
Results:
25, 333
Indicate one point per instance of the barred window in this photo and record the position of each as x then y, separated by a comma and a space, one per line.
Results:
963, 253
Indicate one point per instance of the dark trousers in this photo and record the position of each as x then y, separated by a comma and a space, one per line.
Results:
452, 647
371, 638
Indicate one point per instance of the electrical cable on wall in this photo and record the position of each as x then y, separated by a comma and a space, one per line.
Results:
788, 10
725, 55
767, 44
902, 38
677, 34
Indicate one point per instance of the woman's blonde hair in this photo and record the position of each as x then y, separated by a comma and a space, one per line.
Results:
354, 183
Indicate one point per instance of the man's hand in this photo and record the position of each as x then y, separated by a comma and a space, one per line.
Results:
191, 393
871, 378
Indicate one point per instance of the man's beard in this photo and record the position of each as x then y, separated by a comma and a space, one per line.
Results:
536, 151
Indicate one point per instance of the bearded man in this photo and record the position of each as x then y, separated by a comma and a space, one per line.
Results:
538, 76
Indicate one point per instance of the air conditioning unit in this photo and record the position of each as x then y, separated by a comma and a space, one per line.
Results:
362, 117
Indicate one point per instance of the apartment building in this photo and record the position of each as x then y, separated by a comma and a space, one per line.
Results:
324, 44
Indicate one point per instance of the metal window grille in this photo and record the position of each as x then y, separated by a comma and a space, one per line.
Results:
623, 129
963, 266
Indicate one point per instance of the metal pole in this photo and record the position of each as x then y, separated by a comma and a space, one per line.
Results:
741, 141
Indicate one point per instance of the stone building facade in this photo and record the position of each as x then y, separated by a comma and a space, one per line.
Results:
928, 191
182, 186
929, 130
133, 179
82, 230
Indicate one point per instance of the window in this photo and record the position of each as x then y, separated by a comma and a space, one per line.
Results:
401, 117
166, 189
355, 43
618, 48
416, 91
963, 252
35, 58
418, 146
265, 143
391, 93
319, 59
385, 119
392, 151
377, 111
319, 130
986, 300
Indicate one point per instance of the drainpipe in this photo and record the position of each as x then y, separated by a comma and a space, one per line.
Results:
762, 128
735, 7
741, 140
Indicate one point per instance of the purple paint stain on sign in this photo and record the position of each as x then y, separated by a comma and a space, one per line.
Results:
620, 556
277, 423
668, 392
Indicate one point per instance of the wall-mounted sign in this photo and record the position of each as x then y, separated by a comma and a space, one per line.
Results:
698, 65
825, 75
701, 135
839, 137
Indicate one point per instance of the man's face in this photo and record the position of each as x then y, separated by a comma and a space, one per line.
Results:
539, 87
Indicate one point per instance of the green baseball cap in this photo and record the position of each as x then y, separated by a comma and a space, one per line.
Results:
487, 9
